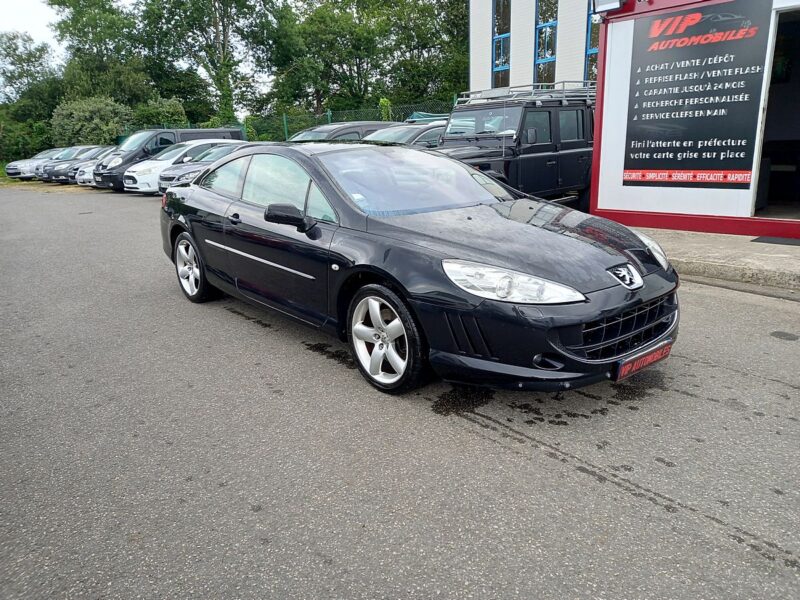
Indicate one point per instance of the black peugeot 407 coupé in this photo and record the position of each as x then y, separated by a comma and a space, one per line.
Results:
418, 260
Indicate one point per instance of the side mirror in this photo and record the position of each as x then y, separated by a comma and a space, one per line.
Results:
187, 159
532, 135
288, 214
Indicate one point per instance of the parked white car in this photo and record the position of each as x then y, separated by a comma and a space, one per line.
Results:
143, 176
85, 170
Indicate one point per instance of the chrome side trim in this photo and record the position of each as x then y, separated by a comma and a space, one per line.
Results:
261, 260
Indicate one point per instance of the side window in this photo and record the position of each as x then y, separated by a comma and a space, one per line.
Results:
429, 137
540, 121
571, 124
318, 207
350, 135
273, 179
225, 180
165, 139
368, 131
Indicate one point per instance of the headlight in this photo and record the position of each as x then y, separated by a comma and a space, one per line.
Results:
186, 176
142, 172
114, 162
504, 285
655, 249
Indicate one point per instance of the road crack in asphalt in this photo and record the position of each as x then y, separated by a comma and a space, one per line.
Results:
764, 548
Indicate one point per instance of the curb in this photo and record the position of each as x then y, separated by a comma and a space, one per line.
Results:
737, 273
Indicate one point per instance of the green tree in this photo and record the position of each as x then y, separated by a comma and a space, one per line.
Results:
126, 82
95, 120
100, 28
21, 139
207, 33
22, 63
38, 101
341, 54
159, 112
155, 40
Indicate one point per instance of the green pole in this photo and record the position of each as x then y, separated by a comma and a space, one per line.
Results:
455, 98
285, 127
330, 116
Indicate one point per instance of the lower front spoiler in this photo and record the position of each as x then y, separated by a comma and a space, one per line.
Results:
476, 371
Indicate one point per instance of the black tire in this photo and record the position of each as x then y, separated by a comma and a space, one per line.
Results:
415, 346
583, 200
203, 290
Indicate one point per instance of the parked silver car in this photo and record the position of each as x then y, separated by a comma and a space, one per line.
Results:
26, 169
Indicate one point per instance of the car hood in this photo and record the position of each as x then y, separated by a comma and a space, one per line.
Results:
66, 165
82, 164
485, 150
147, 164
538, 238
182, 168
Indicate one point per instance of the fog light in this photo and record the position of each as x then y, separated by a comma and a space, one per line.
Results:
547, 362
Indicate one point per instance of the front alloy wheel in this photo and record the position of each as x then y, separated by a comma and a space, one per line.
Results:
385, 341
190, 270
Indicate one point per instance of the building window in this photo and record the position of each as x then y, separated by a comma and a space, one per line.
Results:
544, 63
592, 46
501, 42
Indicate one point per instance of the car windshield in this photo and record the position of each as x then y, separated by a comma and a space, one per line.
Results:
46, 154
399, 134
503, 120
171, 152
387, 181
66, 154
215, 153
135, 141
88, 152
305, 136
106, 152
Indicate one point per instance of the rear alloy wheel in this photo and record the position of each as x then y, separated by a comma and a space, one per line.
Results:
189, 268
385, 340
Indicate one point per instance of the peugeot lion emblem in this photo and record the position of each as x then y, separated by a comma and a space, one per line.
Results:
628, 276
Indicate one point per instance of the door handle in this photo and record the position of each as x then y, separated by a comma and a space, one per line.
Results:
234, 219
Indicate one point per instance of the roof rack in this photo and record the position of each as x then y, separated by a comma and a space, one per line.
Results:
563, 91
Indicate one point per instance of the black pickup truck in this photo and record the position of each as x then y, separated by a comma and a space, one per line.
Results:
537, 139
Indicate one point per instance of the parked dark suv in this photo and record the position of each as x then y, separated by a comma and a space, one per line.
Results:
146, 143
537, 139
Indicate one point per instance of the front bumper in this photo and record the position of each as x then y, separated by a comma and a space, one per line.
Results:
59, 176
109, 179
146, 184
85, 178
505, 345
13, 171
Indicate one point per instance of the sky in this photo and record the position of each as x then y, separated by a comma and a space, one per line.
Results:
31, 16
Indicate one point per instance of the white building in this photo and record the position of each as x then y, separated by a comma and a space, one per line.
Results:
519, 42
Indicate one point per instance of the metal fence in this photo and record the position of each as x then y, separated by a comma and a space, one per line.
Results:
277, 127
283, 126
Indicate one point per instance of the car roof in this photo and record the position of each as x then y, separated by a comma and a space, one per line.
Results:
522, 103
209, 141
430, 125
315, 148
333, 126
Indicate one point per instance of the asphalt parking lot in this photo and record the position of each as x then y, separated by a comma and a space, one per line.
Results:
154, 448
